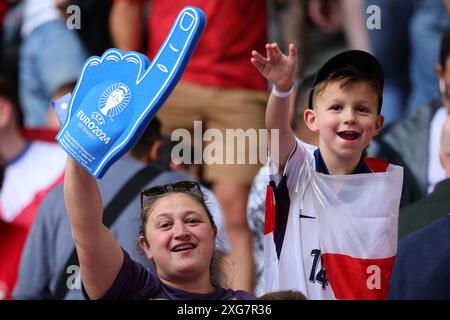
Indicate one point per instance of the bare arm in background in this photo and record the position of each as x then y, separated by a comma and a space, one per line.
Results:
125, 24
349, 15
447, 4
291, 20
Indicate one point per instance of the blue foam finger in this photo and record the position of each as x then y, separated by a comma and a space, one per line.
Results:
118, 94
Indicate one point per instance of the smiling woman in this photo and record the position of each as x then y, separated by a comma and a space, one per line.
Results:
175, 218
177, 233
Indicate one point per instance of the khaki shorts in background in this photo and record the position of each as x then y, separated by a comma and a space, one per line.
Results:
220, 109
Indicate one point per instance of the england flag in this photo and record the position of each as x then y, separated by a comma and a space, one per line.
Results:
332, 236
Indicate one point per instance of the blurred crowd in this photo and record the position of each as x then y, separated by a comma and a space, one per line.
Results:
44, 44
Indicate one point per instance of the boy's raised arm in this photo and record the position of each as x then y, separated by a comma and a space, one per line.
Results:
99, 253
280, 70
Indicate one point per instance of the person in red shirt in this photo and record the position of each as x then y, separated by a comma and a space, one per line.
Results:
32, 169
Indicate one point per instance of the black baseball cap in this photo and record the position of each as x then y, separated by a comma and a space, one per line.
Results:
361, 60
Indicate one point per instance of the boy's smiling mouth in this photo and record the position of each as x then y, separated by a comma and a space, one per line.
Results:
349, 135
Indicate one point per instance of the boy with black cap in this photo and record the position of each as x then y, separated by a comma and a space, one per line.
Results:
329, 235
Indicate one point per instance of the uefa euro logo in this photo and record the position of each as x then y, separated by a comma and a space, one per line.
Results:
98, 117
114, 99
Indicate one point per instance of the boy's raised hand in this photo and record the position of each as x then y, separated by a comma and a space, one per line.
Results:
277, 67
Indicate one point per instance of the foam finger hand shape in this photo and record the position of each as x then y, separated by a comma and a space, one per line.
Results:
118, 94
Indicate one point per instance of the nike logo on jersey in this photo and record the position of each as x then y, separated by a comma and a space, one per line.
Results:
306, 217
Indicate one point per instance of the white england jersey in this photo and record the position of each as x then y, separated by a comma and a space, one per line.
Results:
332, 236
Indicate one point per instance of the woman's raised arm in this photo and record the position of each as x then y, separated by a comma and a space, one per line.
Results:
99, 253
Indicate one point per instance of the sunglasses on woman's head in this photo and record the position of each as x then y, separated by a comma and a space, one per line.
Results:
181, 186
